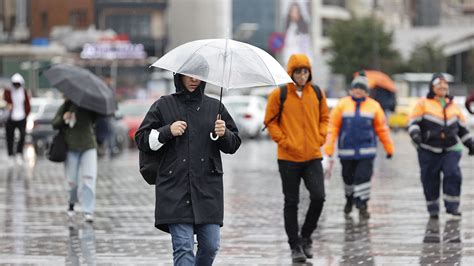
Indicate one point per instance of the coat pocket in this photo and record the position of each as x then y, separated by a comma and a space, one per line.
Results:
215, 166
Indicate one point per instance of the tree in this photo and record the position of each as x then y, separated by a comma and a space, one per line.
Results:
361, 43
428, 57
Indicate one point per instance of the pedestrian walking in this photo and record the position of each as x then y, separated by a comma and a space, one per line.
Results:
189, 184
77, 125
297, 117
436, 126
18, 104
355, 123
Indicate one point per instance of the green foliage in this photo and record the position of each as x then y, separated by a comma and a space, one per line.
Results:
362, 43
427, 57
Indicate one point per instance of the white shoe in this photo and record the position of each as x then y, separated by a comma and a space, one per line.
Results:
70, 214
88, 217
11, 161
19, 159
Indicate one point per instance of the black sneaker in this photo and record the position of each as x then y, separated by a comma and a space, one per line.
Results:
455, 215
297, 255
307, 245
348, 206
364, 213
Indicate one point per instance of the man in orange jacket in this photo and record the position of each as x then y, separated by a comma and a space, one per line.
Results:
356, 121
300, 131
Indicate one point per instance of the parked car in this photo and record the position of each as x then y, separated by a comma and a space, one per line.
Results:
132, 112
39, 130
248, 112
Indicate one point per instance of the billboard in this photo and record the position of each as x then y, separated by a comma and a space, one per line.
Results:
296, 18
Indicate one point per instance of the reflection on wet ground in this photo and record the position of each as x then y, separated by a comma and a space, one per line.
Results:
34, 228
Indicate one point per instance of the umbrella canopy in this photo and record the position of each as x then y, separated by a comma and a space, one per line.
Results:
82, 87
379, 79
226, 63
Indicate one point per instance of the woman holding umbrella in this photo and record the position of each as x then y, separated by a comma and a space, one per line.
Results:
189, 185
87, 97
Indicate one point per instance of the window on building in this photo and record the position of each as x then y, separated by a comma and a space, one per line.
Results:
78, 18
341, 3
135, 26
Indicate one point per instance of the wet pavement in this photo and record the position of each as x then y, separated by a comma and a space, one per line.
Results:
34, 228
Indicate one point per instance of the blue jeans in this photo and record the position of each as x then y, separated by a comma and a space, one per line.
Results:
81, 173
182, 236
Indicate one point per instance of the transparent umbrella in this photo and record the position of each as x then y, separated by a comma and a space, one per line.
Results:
225, 63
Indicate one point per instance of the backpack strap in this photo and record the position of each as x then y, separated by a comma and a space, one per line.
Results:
283, 93
318, 92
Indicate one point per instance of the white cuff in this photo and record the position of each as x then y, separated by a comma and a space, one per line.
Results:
153, 140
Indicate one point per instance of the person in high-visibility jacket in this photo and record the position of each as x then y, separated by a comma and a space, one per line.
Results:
436, 126
355, 122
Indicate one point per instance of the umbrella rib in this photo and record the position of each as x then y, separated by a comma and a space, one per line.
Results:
271, 75
191, 55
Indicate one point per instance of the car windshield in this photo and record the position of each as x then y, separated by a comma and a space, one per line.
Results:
133, 109
50, 109
35, 108
237, 104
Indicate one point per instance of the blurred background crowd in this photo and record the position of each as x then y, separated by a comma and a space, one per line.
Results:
404, 40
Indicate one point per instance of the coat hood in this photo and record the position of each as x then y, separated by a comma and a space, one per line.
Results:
299, 61
17, 78
179, 86
436, 76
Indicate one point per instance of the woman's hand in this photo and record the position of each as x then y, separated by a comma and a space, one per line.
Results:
219, 127
178, 128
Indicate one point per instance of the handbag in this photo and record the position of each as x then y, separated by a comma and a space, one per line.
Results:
58, 148
4, 115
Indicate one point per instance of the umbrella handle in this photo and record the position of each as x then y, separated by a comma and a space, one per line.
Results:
211, 135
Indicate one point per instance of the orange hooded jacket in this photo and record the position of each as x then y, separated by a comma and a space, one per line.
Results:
303, 124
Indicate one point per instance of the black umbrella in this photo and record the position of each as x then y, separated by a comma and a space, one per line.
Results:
82, 87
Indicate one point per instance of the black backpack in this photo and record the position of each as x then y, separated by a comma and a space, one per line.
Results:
149, 162
283, 93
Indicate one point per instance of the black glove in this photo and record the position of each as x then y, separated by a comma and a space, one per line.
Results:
416, 138
389, 156
471, 151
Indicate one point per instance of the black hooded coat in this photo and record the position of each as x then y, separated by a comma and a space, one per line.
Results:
189, 183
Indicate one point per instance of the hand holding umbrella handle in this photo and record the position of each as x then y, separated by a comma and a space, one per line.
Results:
219, 124
211, 135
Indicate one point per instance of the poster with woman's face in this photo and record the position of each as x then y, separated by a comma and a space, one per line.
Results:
296, 20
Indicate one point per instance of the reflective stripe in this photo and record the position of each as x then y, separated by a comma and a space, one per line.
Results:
365, 151
368, 115
434, 119
363, 194
466, 136
346, 152
351, 114
362, 186
365, 197
413, 127
436, 201
414, 120
451, 198
452, 121
431, 148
